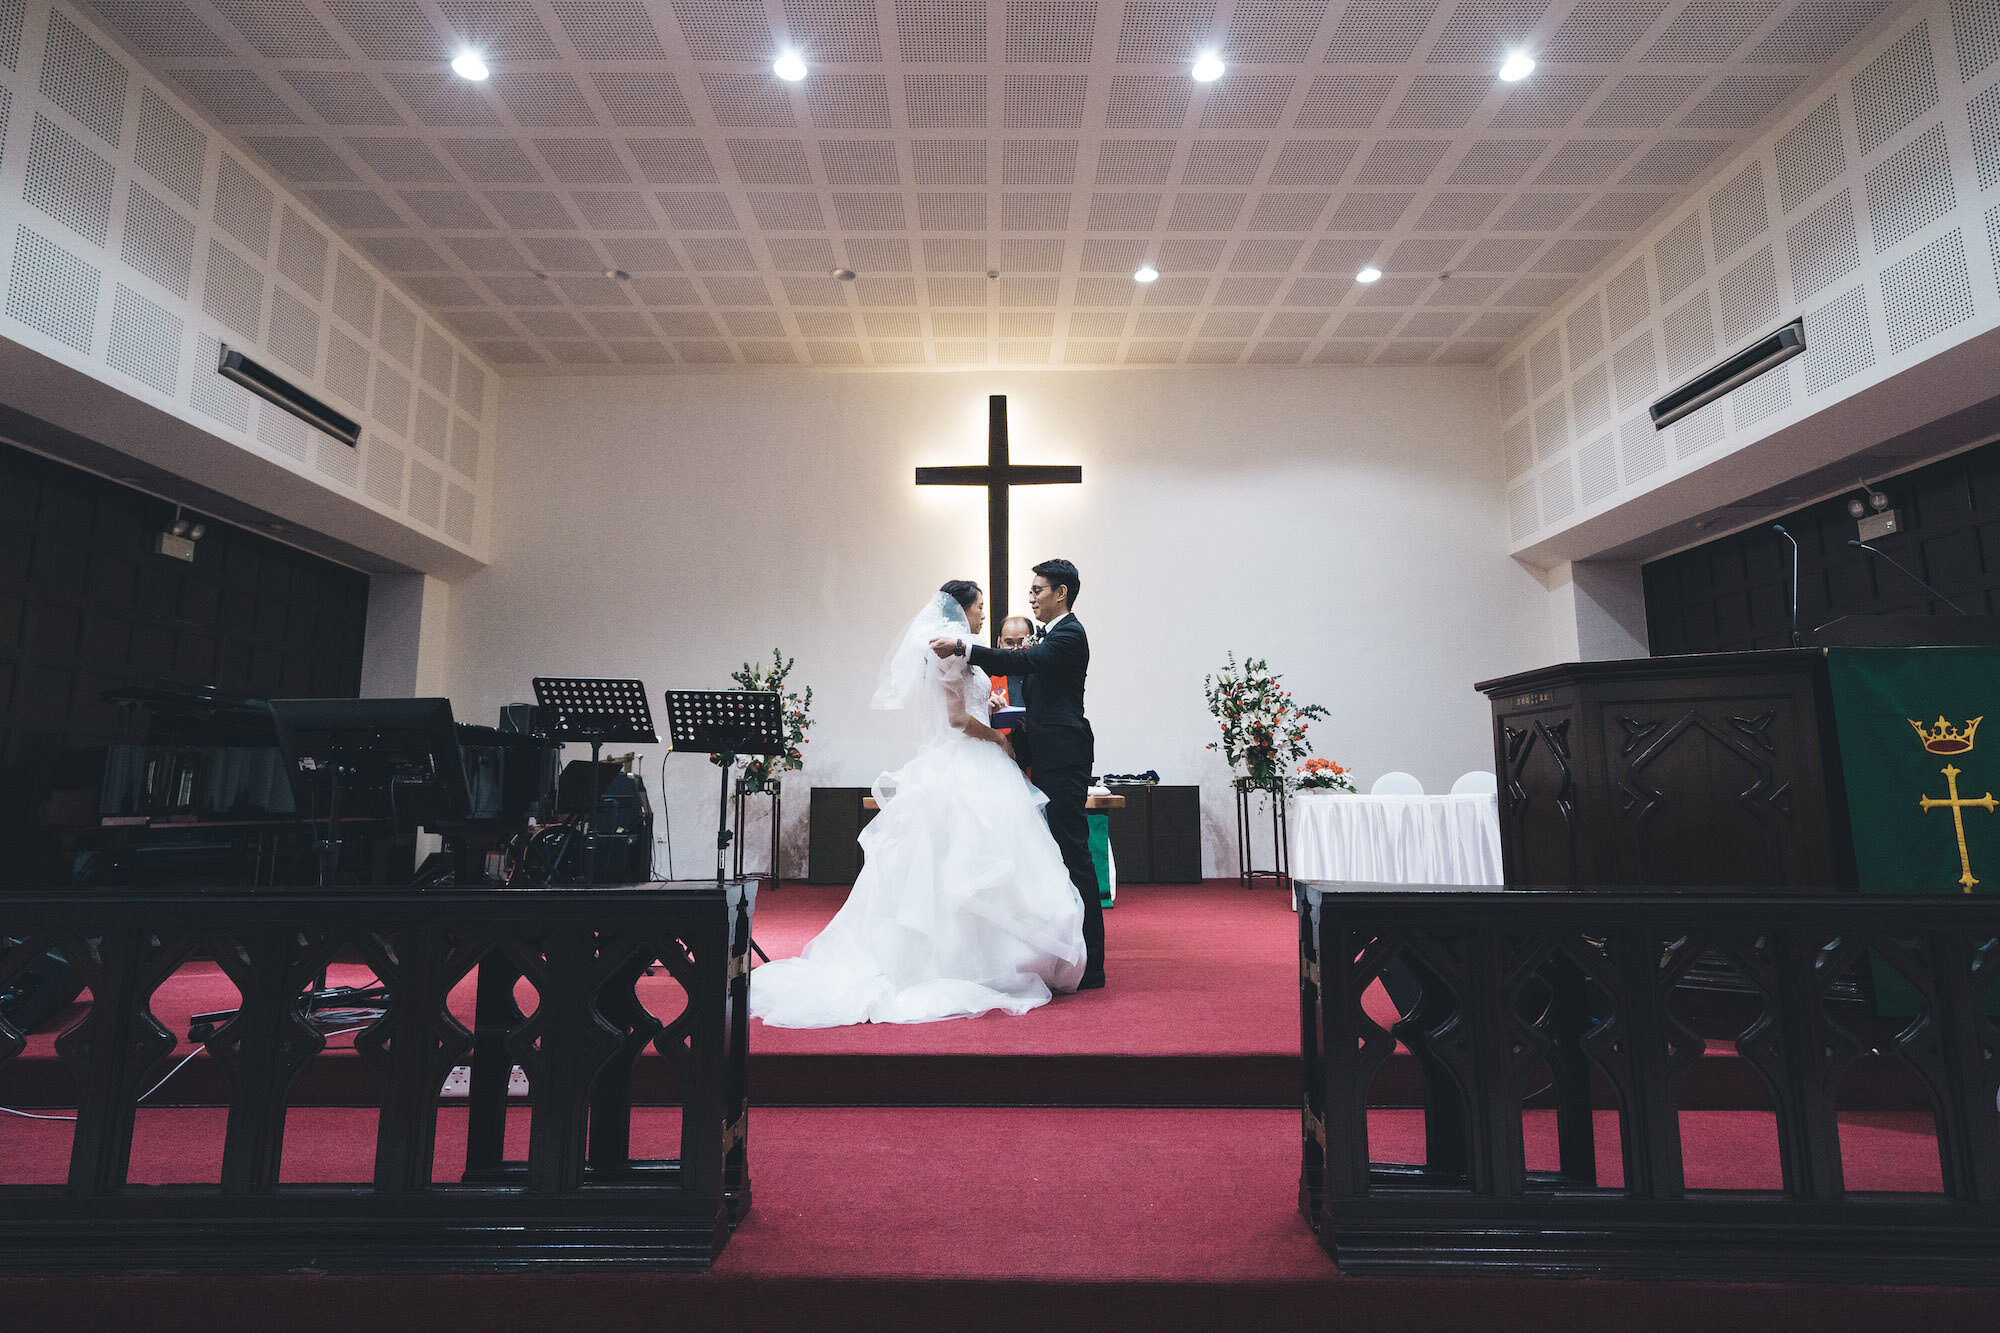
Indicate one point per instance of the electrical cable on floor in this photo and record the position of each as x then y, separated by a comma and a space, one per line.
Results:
36, 1115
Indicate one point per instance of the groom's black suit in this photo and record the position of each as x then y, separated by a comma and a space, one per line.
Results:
1058, 744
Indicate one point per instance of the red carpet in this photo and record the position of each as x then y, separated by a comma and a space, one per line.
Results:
865, 1218
1202, 1009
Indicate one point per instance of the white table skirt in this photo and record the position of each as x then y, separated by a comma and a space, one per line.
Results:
1396, 839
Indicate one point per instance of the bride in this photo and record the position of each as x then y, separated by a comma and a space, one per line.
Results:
963, 905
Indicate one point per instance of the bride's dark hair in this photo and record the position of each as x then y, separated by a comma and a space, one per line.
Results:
963, 591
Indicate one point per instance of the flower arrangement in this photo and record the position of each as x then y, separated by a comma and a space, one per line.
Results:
1263, 730
760, 772
1323, 775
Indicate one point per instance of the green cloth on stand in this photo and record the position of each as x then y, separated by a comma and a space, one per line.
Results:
1919, 790
1100, 855
1905, 716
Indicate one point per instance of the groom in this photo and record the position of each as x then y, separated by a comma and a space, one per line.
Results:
1058, 741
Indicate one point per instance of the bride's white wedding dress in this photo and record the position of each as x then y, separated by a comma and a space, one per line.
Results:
963, 905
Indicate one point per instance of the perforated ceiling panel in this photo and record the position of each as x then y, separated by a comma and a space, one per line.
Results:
1367, 125
139, 245
1870, 212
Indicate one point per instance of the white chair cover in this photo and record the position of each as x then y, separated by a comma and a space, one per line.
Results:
1477, 781
1397, 784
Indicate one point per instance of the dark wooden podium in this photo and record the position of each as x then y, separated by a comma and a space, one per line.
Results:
1716, 770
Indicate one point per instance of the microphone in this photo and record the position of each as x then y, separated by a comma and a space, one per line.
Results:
1908, 575
1779, 528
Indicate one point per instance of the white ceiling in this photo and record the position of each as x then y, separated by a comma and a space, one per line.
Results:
1058, 143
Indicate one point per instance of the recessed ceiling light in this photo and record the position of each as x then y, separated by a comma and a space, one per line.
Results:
1146, 273
1519, 65
1369, 274
1208, 67
468, 65
844, 274
790, 67
617, 274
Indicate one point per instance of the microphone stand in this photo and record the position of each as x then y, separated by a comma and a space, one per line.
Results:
1907, 574
1779, 528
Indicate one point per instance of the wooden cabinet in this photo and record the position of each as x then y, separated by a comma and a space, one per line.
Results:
833, 829
1156, 838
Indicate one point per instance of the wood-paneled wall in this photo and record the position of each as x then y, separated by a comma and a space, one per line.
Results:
87, 606
1733, 593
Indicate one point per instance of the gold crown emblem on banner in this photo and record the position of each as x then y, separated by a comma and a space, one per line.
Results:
1945, 738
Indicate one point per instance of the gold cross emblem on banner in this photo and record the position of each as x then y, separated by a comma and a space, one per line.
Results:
1946, 739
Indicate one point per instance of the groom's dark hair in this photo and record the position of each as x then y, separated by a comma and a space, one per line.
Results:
1061, 574
963, 591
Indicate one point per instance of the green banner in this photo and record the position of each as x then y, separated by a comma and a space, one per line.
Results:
1919, 782
1919, 787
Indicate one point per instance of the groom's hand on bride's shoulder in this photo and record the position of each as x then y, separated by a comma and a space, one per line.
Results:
946, 647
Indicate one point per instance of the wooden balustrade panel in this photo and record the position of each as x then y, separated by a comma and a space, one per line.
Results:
580, 1194
1539, 994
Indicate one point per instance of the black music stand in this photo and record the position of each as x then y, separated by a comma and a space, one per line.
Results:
393, 758
726, 723
583, 709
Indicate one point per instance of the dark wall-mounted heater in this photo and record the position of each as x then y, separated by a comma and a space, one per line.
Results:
1738, 370
268, 386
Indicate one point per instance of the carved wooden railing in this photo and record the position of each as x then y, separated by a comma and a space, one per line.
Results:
578, 1197
1522, 989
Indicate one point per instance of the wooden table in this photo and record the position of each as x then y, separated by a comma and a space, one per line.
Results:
1105, 872
1094, 803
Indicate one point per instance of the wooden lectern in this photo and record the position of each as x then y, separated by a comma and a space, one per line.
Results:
1715, 770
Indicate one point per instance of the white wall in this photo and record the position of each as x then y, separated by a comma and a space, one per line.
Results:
1347, 524
1872, 211
135, 243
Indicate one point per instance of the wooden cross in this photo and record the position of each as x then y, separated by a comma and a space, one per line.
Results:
997, 476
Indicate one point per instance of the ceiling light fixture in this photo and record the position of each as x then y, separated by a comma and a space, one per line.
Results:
1369, 274
468, 65
1518, 65
1208, 67
617, 275
790, 67
1146, 273
844, 274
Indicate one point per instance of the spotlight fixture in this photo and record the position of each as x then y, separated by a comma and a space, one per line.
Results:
1146, 273
177, 542
1208, 67
1518, 65
790, 66
469, 65
1369, 274
844, 274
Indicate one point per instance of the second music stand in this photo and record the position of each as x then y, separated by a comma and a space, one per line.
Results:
726, 723
576, 708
